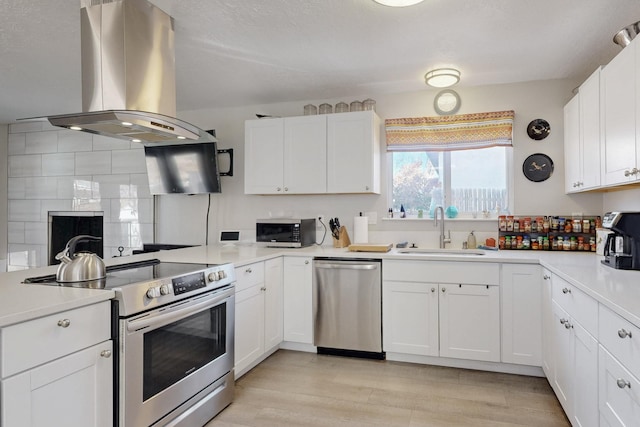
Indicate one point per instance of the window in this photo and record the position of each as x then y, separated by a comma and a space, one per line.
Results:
463, 161
471, 180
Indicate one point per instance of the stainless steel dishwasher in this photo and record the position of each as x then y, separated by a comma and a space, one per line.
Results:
347, 307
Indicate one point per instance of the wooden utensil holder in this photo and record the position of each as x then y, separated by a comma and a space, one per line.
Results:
343, 240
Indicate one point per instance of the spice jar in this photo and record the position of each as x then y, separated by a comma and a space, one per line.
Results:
501, 242
545, 243
580, 243
573, 243
586, 225
516, 225
545, 224
577, 226
502, 223
510, 223
567, 226
566, 244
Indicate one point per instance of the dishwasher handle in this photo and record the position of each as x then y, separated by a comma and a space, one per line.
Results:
345, 266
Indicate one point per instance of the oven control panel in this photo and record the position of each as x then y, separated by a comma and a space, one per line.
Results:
189, 283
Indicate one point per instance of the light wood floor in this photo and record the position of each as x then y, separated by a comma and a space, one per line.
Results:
304, 389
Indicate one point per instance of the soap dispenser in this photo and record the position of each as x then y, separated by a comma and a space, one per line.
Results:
471, 241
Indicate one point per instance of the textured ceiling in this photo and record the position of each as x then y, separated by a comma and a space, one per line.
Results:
244, 52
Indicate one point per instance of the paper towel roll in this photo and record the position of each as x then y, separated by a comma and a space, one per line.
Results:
360, 229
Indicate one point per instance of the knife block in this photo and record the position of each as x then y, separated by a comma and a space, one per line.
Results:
343, 240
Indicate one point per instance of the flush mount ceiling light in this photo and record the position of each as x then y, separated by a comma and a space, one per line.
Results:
398, 3
442, 77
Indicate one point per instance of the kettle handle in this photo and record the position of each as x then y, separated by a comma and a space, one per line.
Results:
70, 249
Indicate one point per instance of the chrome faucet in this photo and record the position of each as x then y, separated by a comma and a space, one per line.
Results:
443, 240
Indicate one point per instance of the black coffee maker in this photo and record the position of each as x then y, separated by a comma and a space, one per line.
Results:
622, 249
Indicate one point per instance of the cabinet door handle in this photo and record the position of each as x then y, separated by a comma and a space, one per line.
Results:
105, 353
623, 333
566, 290
263, 288
546, 277
64, 323
249, 270
623, 383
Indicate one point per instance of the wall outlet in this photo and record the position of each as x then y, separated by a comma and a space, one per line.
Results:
320, 219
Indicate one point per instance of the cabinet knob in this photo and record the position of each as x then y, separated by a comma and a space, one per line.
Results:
105, 353
263, 288
546, 277
623, 333
278, 189
563, 321
64, 323
634, 171
433, 289
249, 270
575, 184
627, 173
306, 262
366, 188
566, 290
286, 188
444, 290
568, 325
623, 383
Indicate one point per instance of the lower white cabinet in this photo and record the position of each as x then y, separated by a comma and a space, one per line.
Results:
547, 325
410, 318
521, 314
575, 368
619, 393
73, 391
298, 314
258, 311
470, 322
457, 320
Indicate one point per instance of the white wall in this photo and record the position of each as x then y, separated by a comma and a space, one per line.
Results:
181, 219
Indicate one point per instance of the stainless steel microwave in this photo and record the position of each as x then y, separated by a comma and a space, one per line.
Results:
286, 232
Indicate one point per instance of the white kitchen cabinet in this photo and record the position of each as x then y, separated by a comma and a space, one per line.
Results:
328, 153
582, 137
264, 156
258, 313
353, 146
410, 320
58, 369
470, 322
575, 366
521, 314
298, 314
548, 349
619, 392
424, 313
73, 391
620, 97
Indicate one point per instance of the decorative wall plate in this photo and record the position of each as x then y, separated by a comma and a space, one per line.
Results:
538, 129
446, 102
537, 167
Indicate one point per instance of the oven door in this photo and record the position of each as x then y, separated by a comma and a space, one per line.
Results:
169, 354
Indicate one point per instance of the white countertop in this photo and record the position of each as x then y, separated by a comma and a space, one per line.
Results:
617, 289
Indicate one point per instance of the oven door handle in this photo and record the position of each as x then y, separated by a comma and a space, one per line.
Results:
171, 314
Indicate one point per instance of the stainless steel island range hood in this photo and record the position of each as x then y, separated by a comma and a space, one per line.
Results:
128, 75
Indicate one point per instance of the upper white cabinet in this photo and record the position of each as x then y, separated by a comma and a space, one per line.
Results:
353, 145
620, 96
582, 137
328, 153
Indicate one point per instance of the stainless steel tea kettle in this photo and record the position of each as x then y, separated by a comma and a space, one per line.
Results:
79, 266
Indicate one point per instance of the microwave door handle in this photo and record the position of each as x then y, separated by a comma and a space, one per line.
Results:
179, 312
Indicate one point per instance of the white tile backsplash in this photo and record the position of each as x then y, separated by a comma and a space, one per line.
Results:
24, 210
40, 187
25, 165
51, 169
131, 161
16, 144
41, 142
93, 163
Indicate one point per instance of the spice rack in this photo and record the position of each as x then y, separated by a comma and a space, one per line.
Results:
548, 233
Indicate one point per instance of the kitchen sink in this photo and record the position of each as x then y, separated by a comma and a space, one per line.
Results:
421, 251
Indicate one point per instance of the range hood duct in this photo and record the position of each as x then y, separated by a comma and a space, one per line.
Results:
128, 75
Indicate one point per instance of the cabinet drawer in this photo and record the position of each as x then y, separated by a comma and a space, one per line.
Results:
619, 394
38, 341
576, 303
442, 272
249, 275
621, 338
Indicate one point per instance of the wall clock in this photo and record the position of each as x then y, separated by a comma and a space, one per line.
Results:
538, 129
537, 167
446, 102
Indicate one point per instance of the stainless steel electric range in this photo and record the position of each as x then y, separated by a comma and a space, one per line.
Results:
174, 327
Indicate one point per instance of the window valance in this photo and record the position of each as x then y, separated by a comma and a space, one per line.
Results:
449, 133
